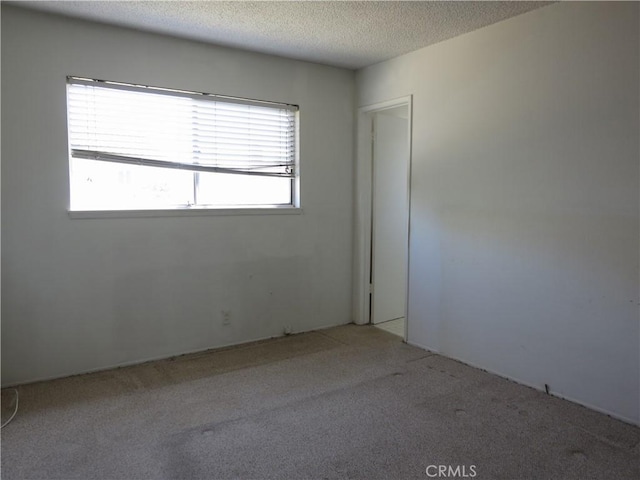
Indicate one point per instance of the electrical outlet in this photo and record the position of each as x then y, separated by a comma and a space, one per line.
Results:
226, 317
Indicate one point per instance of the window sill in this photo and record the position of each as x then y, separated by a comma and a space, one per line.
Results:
184, 212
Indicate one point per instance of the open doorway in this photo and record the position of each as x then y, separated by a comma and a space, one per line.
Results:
383, 215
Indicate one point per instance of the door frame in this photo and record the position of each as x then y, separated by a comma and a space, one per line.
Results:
364, 206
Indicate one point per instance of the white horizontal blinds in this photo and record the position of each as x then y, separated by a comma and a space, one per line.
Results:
195, 132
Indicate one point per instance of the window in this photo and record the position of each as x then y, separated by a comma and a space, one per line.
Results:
146, 148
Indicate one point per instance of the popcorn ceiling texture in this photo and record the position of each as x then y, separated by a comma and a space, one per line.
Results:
342, 34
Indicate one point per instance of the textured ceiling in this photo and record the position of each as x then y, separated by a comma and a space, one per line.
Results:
339, 33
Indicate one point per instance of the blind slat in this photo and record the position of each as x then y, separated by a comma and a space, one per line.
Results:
269, 170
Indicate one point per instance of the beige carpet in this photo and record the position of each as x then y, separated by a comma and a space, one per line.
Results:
347, 402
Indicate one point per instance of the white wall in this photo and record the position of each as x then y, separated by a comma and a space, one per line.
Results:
88, 294
524, 204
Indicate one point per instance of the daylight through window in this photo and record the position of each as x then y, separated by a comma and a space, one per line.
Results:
135, 147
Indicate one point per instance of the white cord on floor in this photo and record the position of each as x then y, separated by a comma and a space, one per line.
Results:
14, 412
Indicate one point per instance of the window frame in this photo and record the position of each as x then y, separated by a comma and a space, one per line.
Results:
293, 207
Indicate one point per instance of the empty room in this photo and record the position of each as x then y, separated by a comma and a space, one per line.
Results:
320, 240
